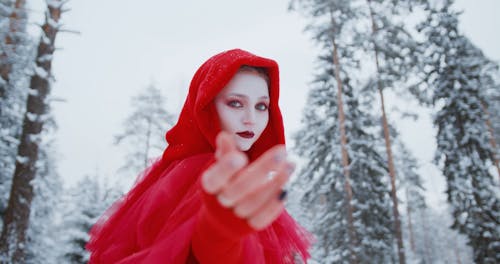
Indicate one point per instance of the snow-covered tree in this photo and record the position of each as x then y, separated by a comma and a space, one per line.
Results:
392, 48
490, 81
144, 129
436, 242
322, 180
17, 215
494, 111
411, 187
349, 212
454, 67
43, 232
13, 37
84, 203
328, 21
15, 56
363, 31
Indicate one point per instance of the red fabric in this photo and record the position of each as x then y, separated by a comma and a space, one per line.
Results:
167, 218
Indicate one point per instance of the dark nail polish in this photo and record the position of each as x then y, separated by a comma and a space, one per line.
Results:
282, 195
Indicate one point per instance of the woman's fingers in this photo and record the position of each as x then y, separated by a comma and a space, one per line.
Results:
266, 215
255, 174
252, 191
229, 161
219, 174
266, 193
224, 143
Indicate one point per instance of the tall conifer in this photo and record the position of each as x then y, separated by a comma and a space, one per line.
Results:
454, 69
17, 214
320, 141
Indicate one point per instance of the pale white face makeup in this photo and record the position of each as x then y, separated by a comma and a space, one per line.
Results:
243, 108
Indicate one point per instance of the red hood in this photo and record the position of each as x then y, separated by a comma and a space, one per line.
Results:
198, 122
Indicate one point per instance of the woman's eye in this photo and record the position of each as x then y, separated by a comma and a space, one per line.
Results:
261, 107
234, 104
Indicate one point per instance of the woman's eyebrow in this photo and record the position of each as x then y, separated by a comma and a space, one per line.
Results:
237, 95
244, 96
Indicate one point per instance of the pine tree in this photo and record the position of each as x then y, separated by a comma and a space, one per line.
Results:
494, 109
83, 205
14, 18
16, 218
328, 36
44, 230
411, 184
392, 48
370, 192
491, 108
436, 242
144, 129
322, 177
322, 180
385, 40
15, 56
454, 69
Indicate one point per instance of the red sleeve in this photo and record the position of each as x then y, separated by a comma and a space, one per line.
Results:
222, 236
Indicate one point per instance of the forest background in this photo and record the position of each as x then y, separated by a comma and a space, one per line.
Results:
118, 60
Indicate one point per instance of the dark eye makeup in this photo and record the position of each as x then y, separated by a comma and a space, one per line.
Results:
238, 104
261, 107
234, 103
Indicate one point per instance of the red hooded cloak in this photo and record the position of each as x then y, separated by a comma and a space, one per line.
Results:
167, 218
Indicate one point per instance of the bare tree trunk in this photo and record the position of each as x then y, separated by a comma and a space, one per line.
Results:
390, 160
410, 226
10, 42
457, 254
16, 219
492, 138
343, 145
392, 173
427, 245
345, 159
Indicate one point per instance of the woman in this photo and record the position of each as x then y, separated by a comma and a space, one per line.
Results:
216, 194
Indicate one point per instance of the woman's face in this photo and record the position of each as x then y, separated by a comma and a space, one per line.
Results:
243, 108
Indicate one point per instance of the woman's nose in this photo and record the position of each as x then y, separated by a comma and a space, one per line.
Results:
249, 117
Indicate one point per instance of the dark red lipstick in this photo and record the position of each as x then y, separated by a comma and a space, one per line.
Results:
246, 134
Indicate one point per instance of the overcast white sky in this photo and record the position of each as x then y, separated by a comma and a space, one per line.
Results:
125, 45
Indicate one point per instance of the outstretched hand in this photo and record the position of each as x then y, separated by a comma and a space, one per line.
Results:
253, 191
